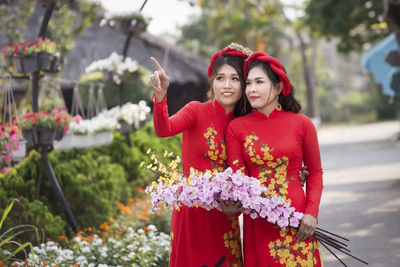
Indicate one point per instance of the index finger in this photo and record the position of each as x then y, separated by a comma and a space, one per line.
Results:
156, 64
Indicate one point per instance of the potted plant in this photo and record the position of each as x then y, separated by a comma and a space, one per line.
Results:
116, 68
9, 142
126, 23
42, 128
62, 119
30, 56
94, 132
130, 115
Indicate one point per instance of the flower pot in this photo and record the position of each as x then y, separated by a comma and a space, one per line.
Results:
103, 138
49, 62
125, 127
127, 26
20, 153
25, 63
107, 76
31, 137
59, 135
40, 137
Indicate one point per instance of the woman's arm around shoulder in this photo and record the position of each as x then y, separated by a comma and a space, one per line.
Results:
312, 159
233, 137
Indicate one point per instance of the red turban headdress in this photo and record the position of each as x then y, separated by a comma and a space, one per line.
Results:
234, 50
275, 65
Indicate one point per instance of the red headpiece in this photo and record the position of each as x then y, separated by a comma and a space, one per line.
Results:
275, 65
234, 50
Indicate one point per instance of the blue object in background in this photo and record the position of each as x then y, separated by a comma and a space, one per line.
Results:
374, 61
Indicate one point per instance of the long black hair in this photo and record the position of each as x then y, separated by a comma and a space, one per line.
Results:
289, 102
242, 107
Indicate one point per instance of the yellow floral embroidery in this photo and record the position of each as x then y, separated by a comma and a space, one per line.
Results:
273, 175
287, 251
272, 172
217, 151
232, 243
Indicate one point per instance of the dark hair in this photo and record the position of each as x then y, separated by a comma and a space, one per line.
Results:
289, 102
242, 107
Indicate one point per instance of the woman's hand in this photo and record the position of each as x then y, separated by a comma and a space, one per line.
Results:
231, 208
159, 80
307, 227
303, 175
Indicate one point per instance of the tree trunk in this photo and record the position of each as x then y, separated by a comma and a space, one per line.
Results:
309, 76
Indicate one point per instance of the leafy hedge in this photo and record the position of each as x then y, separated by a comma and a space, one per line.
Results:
94, 181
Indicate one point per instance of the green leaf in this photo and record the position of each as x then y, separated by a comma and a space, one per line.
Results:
6, 213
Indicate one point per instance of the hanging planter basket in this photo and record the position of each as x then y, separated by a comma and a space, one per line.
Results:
49, 62
40, 137
82, 141
20, 153
126, 127
25, 63
59, 135
130, 26
100, 139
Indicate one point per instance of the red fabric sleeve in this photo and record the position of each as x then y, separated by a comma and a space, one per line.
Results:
165, 126
234, 150
312, 160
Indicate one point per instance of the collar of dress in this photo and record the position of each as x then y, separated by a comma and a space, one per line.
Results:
262, 116
220, 108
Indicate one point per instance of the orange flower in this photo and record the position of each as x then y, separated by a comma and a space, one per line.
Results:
140, 190
75, 265
146, 229
104, 225
131, 200
2, 264
159, 213
48, 239
62, 237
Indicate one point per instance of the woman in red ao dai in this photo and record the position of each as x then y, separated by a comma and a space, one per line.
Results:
271, 143
200, 237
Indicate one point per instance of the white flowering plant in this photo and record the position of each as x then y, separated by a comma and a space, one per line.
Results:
110, 120
117, 67
126, 22
121, 246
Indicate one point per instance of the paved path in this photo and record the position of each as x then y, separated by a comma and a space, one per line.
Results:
361, 198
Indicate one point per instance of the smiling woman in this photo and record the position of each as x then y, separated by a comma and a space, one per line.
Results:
200, 237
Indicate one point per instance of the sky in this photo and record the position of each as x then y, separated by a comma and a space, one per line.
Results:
165, 14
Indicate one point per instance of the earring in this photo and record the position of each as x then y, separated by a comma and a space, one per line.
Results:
278, 107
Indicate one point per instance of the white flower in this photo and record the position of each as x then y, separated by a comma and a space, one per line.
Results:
115, 64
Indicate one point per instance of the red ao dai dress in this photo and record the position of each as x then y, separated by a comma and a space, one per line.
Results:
200, 237
273, 149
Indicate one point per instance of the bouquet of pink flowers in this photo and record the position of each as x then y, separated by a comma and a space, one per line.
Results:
206, 190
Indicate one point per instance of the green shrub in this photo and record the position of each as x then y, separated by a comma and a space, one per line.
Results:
94, 181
